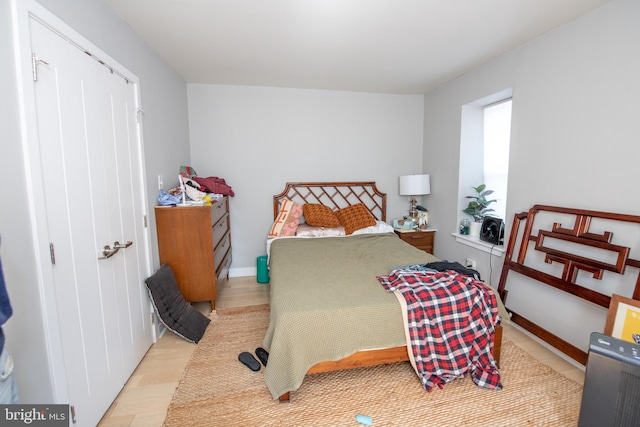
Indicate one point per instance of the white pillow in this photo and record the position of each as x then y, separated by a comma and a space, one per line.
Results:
380, 227
306, 230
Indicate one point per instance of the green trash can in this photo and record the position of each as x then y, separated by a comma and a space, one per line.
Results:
262, 275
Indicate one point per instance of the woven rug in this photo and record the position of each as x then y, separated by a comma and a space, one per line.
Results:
217, 390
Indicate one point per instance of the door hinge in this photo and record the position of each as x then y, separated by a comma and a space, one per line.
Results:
35, 61
73, 413
144, 221
52, 253
139, 113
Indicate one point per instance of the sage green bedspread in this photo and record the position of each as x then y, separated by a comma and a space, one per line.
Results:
326, 302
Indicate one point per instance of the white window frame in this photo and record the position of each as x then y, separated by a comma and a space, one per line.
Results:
471, 167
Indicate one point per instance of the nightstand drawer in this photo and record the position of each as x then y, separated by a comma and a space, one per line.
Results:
419, 239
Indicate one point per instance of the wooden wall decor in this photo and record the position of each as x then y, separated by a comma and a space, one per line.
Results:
577, 236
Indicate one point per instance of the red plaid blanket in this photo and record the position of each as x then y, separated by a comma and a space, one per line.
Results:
451, 322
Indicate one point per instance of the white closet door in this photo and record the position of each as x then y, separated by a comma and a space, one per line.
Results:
91, 167
125, 206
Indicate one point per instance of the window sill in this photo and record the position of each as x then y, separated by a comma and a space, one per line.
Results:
476, 243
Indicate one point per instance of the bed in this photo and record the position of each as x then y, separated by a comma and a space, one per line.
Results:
324, 317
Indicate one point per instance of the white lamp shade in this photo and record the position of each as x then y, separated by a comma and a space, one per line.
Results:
414, 185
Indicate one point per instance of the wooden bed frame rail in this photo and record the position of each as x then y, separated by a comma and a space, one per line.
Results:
580, 235
383, 356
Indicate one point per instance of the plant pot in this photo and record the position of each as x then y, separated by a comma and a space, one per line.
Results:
474, 229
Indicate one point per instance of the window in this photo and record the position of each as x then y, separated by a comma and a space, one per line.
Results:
484, 151
497, 135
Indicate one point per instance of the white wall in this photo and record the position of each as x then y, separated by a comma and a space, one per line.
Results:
574, 135
258, 138
166, 136
24, 330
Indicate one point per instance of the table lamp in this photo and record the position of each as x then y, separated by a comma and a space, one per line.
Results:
414, 185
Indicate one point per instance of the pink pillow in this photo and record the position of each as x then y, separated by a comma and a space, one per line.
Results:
288, 219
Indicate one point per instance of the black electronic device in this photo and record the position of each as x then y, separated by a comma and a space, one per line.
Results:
492, 230
611, 392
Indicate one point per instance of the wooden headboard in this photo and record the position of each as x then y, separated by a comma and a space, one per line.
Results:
580, 246
336, 195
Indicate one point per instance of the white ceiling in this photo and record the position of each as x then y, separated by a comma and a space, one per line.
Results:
387, 46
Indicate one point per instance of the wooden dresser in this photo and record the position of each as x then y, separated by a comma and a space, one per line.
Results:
196, 243
419, 239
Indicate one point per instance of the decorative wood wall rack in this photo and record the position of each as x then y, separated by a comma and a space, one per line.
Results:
578, 235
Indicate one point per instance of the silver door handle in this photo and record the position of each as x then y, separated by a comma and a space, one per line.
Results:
108, 251
119, 245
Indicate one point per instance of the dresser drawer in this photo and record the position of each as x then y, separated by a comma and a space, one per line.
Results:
222, 249
218, 209
222, 270
219, 229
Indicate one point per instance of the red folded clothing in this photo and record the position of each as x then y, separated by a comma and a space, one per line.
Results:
213, 184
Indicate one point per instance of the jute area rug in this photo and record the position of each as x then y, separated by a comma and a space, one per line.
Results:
217, 390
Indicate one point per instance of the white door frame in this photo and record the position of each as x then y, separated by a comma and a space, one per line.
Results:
22, 11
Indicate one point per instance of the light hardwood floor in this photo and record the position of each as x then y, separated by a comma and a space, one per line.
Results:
144, 399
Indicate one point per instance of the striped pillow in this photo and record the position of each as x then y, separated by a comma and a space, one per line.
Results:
288, 219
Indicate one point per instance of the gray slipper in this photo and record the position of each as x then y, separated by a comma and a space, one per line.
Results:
249, 361
263, 355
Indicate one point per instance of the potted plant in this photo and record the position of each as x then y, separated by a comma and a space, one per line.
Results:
478, 207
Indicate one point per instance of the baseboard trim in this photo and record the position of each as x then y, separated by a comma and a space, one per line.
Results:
243, 272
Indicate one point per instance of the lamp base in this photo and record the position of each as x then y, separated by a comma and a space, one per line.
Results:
413, 211
420, 218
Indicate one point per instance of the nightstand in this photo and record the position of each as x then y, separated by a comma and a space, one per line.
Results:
419, 239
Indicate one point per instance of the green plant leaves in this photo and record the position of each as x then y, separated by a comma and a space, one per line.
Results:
478, 207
